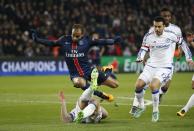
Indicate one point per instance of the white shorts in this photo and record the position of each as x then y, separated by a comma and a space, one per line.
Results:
193, 78
163, 74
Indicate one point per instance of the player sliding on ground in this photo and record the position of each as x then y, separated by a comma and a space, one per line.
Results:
87, 109
75, 47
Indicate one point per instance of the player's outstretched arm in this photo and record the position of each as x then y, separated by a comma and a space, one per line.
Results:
65, 116
116, 39
141, 54
46, 42
188, 54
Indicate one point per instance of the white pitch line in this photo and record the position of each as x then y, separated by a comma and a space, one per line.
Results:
148, 102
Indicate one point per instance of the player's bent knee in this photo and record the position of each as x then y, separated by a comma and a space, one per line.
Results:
111, 83
95, 102
115, 84
79, 82
140, 84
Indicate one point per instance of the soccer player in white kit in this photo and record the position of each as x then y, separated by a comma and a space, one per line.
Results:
167, 15
87, 109
161, 46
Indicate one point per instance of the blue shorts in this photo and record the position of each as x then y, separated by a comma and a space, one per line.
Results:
101, 77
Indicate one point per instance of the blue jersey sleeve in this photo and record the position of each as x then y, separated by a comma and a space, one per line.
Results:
103, 42
116, 39
49, 42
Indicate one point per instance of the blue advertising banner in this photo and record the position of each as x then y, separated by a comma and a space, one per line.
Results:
33, 67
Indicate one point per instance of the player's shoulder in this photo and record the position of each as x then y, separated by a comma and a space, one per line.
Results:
66, 38
170, 34
149, 34
151, 29
174, 26
86, 37
147, 37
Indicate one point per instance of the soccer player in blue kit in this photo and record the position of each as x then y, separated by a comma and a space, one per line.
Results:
75, 47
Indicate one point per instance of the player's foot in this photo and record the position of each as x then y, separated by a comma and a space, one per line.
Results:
61, 96
160, 98
79, 118
155, 116
109, 67
94, 79
133, 110
110, 97
181, 113
138, 112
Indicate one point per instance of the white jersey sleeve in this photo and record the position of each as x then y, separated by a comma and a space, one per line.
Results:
144, 48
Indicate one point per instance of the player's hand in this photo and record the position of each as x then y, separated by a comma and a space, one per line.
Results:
139, 60
117, 39
190, 62
33, 34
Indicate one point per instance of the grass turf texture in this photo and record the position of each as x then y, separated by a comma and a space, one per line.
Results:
30, 103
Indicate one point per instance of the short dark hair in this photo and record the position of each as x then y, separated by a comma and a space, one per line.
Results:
159, 19
78, 26
165, 9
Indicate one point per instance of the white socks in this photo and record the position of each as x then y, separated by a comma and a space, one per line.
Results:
89, 110
135, 100
87, 94
155, 100
189, 104
140, 99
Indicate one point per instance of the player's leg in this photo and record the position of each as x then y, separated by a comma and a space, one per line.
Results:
139, 95
161, 76
186, 108
135, 104
108, 70
154, 86
163, 90
144, 78
80, 82
110, 82
84, 103
65, 116
88, 108
104, 79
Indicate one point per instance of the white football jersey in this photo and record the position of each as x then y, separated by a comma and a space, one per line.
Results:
177, 31
161, 48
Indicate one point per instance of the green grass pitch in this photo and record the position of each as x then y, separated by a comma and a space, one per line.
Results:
30, 103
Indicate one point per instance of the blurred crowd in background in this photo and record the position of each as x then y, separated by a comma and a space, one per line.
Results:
130, 19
